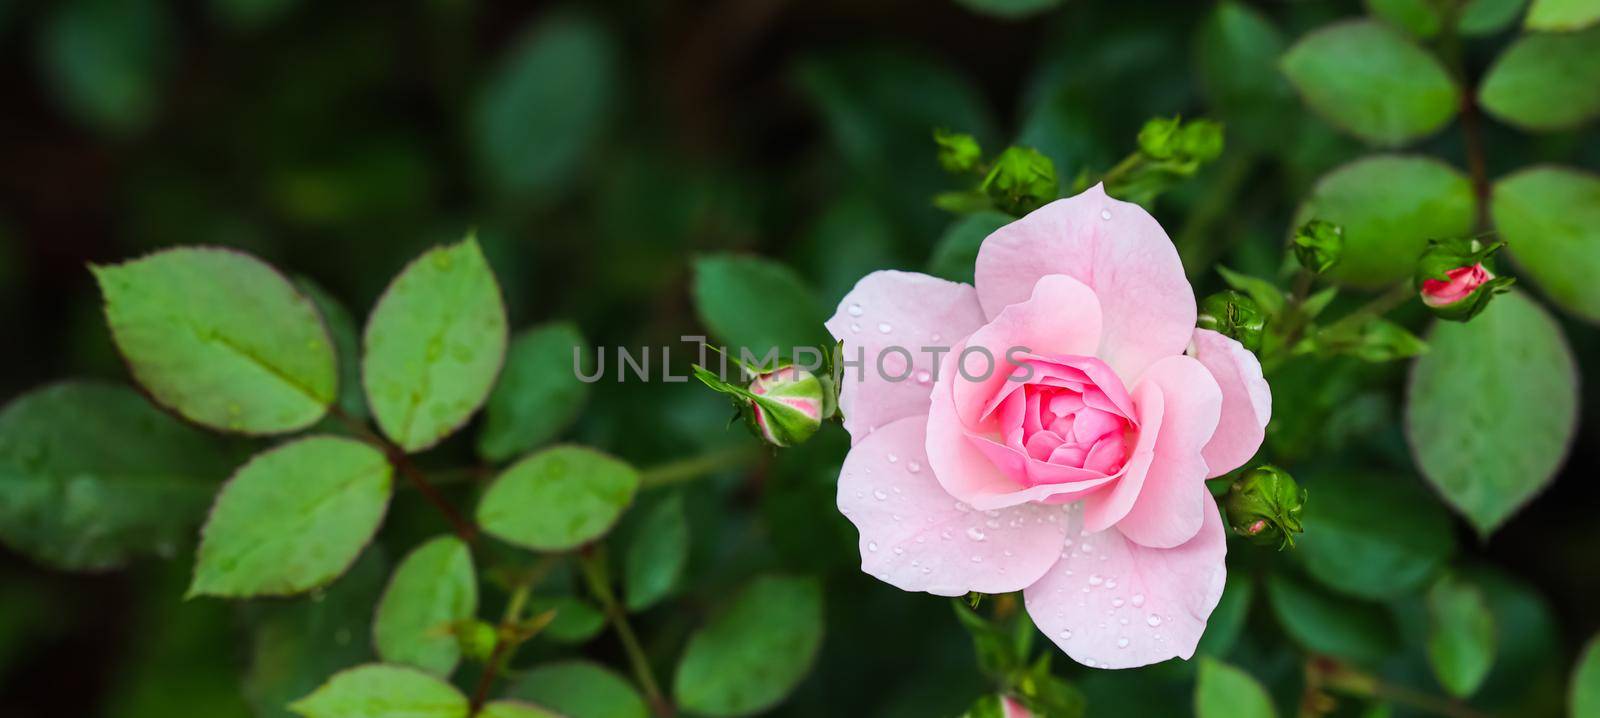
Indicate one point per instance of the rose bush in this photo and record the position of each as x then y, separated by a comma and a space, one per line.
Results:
1060, 445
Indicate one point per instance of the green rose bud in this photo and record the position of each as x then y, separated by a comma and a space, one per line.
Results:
1235, 315
1021, 180
785, 405
1161, 138
477, 639
958, 152
1318, 245
1453, 281
1201, 141
1264, 506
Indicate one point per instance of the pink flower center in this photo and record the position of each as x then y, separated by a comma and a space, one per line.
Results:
1463, 281
1071, 420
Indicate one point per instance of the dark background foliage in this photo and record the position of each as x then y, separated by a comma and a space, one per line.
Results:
338, 140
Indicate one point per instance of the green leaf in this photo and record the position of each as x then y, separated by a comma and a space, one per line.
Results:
1265, 294
752, 655
1372, 81
292, 519
296, 645
382, 691
1421, 18
544, 108
1010, 9
1223, 691
108, 61
1461, 635
1390, 206
1343, 628
1562, 15
434, 345
91, 476
1487, 17
539, 393
575, 621
1238, 52
557, 499
1374, 536
957, 251
1228, 618
1550, 220
756, 304
1491, 410
222, 338
656, 554
346, 345
514, 709
1585, 701
1545, 82
579, 689
433, 589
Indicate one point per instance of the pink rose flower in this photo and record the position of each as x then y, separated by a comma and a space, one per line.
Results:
1075, 470
1463, 282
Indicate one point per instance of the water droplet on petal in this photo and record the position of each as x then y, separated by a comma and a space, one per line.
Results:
879, 495
913, 466
855, 310
1138, 599
1066, 633
977, 559
975, 534
893, 458
872, 546
923, 377
1096, 580
854, 327
1122, 642
1153, 620
1105, 214
884, 328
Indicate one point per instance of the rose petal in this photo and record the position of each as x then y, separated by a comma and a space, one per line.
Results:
1246, 401
967, 466
916, 537
1062, 318
1169, 508
1122, 605
1114, 247
896, 309
1104, 508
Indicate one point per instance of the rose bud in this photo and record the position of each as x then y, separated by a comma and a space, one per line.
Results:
1264, 506
959, 152
1452, 280
1235, 315
1160, 138
1181, 147
476, 638
1318, 245
1201, 140
785, 405
1021, 181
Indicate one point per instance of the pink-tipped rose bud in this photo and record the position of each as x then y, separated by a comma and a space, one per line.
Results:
1462, 282
1452, 280
786, 405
